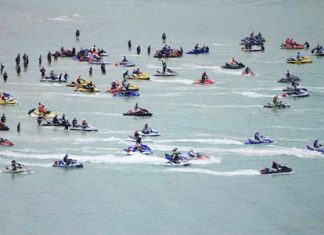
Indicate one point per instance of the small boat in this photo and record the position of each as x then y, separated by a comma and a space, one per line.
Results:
280, 170
70, 164
302, 60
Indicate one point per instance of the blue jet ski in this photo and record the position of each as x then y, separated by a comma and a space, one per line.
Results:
70, 164
144, 149
180, 162
127, 94
198, 51
263, 140
320, 149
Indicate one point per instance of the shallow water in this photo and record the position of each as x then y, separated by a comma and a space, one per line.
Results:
118, 194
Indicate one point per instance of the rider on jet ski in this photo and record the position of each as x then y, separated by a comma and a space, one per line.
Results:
66, 160
275, 100
257, 136
316, 144
204, 76
146, 129
275, 165
175, 155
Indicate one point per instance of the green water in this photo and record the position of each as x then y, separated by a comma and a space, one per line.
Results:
118, 194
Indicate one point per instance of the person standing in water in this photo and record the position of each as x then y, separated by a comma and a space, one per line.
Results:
40, 61
138, 50
5, 76
18, 69
18, 127
163, 37
90, 71
129, 44
149, 50
77, 34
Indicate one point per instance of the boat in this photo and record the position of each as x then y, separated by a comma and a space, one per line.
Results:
180, 162
206, 82
79, 127
280, 170
302, 60
295, 93
168, 73
140, 76
150, 132
131, 87
203, 50
144, 150
233, 66
263, 140
289, 79
126, 94
5, 142
318, 51
276, 106
190, 155
139, 113
127, 64
320, 149
71, 164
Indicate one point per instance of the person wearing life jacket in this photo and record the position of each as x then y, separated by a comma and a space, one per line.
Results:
124, 59
55, 120
84, 124
126, 75
79, 79
196, 46
74, 122
41, 108
298, 56
257, 137
247, 70
175, 155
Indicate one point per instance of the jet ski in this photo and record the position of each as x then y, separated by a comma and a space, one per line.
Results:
99, 62
79, 127
203, 50
71, 164
131, 87
141, 76
139, 113
127, 64
180, 162
7, 99
36, 113
302, 60
233, 66
194, 156
3, 127
5, 142
168, 73
253, 48
151, 132
281, 170
20, 170
127, 94
52, 124
292, 46
144, 150
320, 149
263, 140
249, 74
290, 89
295, 93
278, 106
54, 78
88, 90
206, 82
290, 79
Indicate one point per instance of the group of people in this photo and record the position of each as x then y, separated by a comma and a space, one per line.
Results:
167, 51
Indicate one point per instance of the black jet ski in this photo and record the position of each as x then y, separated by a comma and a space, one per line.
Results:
233, 66
280, 170
290, 78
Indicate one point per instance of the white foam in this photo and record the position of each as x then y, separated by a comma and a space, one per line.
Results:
96, 95
204, 141
245, 172
62, 18
251, 94
173, 80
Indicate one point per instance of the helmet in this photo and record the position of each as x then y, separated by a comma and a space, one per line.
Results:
175, 149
